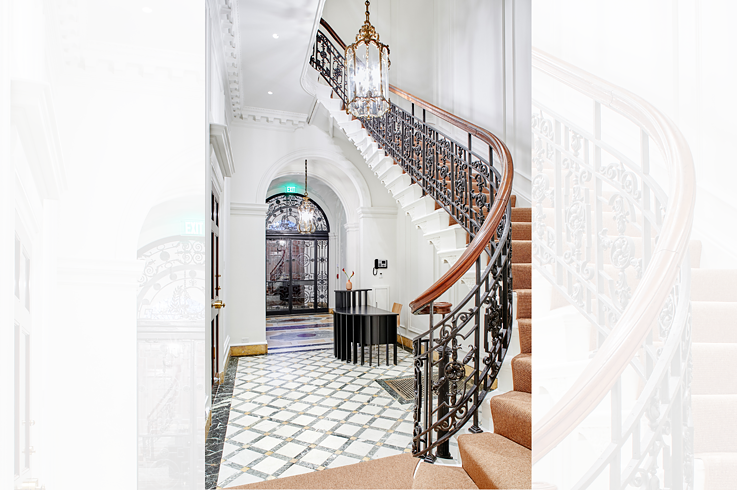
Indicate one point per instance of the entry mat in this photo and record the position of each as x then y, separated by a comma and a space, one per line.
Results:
403, 389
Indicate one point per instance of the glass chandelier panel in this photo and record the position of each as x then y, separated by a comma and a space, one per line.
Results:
367, 73
306, 212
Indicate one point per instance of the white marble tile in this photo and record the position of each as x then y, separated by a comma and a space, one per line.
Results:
291, 450
244, 457
295, 470
309, 436
269, 465
316, 456
333, 442
267, 443
359, 448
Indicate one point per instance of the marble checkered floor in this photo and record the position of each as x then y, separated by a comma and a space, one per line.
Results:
298, 412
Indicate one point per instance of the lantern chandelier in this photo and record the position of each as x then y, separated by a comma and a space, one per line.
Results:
306, 212
367, 73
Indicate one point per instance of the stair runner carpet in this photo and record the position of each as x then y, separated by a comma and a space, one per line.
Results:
714, 387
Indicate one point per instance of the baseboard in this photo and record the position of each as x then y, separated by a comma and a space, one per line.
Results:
248, 350
404, 342
208, 423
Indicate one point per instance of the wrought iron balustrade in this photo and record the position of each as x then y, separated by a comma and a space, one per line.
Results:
458, 358
614, 243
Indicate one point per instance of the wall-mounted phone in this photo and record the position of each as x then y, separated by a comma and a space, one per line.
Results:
379, 264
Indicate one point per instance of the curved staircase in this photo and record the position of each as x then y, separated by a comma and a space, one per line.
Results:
463, 204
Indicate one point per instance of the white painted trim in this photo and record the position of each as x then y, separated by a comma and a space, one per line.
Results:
220, 140
350, 227
248, 209
32, 114
377, 212
217, 177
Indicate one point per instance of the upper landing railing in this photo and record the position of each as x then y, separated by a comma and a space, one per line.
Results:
614, 243
472, 182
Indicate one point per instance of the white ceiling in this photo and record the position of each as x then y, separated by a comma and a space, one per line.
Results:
275, 65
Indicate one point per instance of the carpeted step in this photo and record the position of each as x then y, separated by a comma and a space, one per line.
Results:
713, 321
714, 285
709, 362
524, 303
493, 461
391, 472
521, 231
522, 214
440, 476
521, 251
522, 276
524, 327
512, 416
522, 372
513, 199
713, 419
720, 470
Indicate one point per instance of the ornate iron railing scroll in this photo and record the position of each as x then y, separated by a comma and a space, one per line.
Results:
614, 243
459, 357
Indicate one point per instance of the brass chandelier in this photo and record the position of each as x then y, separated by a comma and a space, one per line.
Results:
367, 73
306, 212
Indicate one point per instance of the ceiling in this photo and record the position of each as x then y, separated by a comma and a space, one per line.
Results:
275, 65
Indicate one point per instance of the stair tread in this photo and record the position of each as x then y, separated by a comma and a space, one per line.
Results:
713, 418
522, 214
522, 372
521, 230
710, 358
522, 276
521, 251
714, 321
440, 476
524, 303
493, 461
714, 285
512, 415
524, 326
720, 470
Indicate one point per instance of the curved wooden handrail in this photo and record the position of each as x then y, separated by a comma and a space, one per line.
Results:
488, 229
638, 318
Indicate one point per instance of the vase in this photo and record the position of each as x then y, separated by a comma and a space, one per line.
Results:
349, 285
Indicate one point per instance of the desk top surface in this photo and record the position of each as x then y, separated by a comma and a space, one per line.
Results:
363, 311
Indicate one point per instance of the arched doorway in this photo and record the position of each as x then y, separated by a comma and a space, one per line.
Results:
296, 264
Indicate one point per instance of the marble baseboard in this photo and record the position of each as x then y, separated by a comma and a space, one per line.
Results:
248, 350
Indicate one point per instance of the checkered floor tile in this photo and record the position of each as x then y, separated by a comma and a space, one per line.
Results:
298, 412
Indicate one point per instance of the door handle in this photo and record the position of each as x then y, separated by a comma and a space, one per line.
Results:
218, 304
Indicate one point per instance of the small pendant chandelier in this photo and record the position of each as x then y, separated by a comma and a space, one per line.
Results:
306, 212
367, 73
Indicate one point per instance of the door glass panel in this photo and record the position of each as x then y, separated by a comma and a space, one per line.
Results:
303, 274
277, 275
322, 273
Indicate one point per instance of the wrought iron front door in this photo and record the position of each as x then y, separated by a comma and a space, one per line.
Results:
296, 275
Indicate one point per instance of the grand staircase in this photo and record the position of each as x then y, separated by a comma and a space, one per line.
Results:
463, 204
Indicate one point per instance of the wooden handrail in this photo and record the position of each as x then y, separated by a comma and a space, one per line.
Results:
488, 229
651, 293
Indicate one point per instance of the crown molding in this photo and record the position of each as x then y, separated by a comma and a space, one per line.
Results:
220, 140
248, 209
272, 119
228, 17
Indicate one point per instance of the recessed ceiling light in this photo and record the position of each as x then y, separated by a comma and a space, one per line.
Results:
270, 92
147, 10
275, 36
